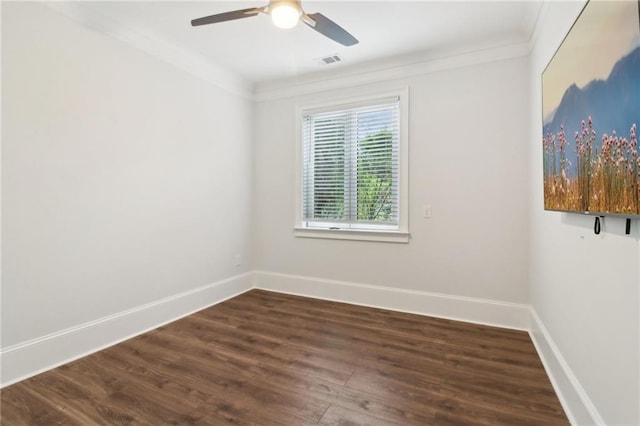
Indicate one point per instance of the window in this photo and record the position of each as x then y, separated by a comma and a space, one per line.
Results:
352, 171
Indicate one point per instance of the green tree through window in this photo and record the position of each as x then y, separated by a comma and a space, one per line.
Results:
375, 183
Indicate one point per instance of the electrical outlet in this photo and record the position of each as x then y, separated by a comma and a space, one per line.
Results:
426, 211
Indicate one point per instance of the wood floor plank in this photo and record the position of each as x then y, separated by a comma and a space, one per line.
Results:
339, 416
20, 406
241, 394
296, 355
385, 406
270, 359
69, 399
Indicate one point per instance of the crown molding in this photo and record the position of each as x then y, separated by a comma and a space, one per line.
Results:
355, 75
391, 69
155, 45
543, 10
402, 67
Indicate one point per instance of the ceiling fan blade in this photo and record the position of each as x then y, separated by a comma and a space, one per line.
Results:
227, 16
327, 27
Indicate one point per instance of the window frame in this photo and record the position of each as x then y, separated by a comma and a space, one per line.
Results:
401, 235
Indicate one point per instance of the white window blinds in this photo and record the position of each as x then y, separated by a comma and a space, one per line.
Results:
351, 166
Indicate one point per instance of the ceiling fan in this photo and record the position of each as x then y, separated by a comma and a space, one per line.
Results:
286, 14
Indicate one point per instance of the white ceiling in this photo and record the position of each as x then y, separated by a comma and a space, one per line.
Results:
254, 49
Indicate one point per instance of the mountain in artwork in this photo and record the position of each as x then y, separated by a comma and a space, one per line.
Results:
613, 103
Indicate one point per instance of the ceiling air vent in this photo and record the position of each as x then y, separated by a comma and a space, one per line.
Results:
328, 60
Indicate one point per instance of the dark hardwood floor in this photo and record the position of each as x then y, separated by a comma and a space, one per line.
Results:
266, 359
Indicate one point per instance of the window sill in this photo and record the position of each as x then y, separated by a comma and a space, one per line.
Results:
351, 234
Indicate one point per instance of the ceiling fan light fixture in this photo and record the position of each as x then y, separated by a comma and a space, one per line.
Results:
285, 14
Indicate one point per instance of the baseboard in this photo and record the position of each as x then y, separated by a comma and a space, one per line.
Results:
575, 401
38, 355
479, 311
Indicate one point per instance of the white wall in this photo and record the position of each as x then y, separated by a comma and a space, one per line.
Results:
124, 179
467, 158
583, 287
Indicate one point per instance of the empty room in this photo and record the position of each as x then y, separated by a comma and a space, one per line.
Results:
320, 213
